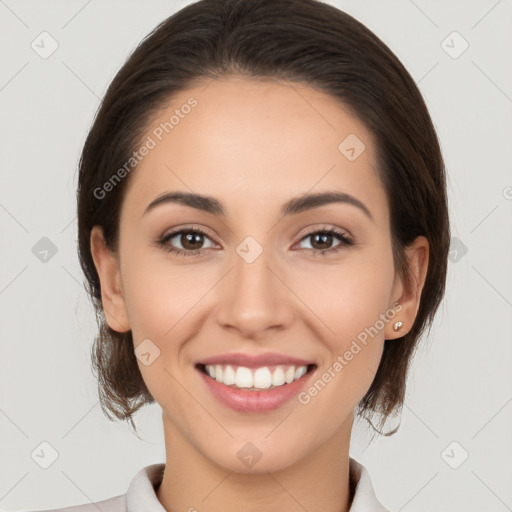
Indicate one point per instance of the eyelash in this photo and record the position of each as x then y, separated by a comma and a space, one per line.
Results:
345, 241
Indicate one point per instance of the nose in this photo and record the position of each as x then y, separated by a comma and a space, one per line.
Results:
255, 298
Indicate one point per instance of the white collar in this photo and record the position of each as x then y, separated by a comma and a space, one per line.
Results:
141, 493
365, 499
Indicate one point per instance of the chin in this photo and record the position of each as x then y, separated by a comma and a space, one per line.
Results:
257, 457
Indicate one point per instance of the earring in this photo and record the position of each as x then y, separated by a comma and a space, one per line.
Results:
398, 326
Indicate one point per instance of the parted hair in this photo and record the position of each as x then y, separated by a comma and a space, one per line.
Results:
301, 41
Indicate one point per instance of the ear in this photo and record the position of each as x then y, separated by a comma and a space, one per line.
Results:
408, 295
107, 267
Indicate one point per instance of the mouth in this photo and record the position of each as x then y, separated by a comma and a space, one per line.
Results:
247, 385
255, 379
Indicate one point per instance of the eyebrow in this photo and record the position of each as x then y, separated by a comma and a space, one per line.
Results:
292, 207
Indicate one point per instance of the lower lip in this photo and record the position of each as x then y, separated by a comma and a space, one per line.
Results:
255, 401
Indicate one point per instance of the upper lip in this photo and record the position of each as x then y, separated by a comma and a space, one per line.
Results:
255, 361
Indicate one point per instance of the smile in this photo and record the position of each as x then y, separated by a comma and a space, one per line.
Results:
255, 379
255, 387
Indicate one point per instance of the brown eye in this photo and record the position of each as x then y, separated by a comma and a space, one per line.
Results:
191, 241
322, 240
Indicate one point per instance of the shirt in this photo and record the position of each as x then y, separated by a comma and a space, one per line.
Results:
141, 493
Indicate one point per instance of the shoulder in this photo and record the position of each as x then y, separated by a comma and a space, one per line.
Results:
140, 496
116, 504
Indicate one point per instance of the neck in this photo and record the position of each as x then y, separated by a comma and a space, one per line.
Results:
319, 482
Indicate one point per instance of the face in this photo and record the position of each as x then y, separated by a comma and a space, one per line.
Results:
261, 292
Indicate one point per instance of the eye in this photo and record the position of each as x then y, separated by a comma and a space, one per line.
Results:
191, 241
323, 239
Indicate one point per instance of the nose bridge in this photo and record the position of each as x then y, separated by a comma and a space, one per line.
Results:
254, 298
251, 267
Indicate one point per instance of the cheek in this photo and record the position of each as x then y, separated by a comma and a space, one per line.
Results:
159, 293
354, 343
351, 300
347, 299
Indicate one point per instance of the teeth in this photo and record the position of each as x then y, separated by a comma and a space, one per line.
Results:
289, 375
243, 378
262, 378
229, 376
259, 378
278, 378
300, 371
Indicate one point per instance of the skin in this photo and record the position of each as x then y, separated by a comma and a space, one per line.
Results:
253, 146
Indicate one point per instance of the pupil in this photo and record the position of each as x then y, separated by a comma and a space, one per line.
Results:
325, 238
190, 238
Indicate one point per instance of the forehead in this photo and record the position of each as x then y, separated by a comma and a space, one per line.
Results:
253, 144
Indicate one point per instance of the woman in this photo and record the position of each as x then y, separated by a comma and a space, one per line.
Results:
264, 230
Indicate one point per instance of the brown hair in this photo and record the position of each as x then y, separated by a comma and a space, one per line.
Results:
303, 41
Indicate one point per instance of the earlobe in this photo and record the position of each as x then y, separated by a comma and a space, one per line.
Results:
409, 300
107, 267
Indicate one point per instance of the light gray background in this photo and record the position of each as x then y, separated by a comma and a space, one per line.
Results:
460, 386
